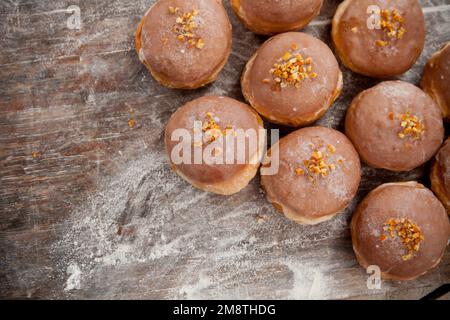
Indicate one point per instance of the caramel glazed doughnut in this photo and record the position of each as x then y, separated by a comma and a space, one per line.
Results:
318, 175
384, 49
184, 43
395, 126
267, 17
440, 175
292, 79
402, 228
436, 79
218, 120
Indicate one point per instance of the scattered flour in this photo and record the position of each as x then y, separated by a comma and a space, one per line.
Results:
74, 280
208, 246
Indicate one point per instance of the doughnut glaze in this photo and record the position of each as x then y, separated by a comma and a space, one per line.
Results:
384, 49
395, 126
184, 43
219, 170
292, 79
319, 174
440, 175
269, 17
436, 79
401, 228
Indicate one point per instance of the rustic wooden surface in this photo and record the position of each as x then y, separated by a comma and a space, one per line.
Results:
88, 205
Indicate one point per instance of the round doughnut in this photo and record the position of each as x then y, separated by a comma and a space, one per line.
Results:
379, 38
269, 17
318, 174
184, 43
395, 126
201, 132
440, 175
436, 79
292, 79
402, 228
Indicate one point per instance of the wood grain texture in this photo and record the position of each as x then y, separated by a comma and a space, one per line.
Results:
96, 213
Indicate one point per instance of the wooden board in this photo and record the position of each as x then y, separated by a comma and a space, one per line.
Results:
88, 205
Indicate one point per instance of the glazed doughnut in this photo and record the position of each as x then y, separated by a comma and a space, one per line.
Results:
207, 124
384, 49
436, 79
440, 175
402, 228
292, 79
269, 17
184, 43
395, 126
318, 175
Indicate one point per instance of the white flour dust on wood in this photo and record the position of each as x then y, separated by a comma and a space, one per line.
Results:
149, 229
73, 281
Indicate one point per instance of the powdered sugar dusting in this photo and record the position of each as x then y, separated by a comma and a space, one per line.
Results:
73, 281
146, 217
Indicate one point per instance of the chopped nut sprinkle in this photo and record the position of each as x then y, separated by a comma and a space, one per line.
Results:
411, 125
212, 130
200, 44
392, 25
173, 10
331, 148
185, 27
217, 152
316, 165
382, 43
391, 116
292, 68
131, 123
408, 233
